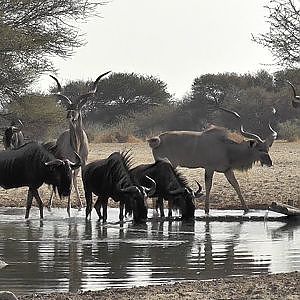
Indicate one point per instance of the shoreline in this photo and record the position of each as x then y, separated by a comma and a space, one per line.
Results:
267, 286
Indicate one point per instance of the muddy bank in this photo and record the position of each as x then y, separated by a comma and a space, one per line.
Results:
276, 286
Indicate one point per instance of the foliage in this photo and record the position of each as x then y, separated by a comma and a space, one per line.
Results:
290, 130
283, 37
120, 94
41, 115
31, 32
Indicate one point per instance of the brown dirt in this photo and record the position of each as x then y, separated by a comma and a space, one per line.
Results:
277, 286
260, 185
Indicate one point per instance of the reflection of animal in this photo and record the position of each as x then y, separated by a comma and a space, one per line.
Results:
295, 103
13, 136
32, 165
74, 139
111, 177
170, 185
215, 151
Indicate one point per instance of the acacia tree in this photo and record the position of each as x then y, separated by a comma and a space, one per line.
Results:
283, 38
123, 93
31, 32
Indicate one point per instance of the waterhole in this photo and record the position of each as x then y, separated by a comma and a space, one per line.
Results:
70, 254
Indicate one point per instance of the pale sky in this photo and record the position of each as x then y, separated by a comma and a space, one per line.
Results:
175, 40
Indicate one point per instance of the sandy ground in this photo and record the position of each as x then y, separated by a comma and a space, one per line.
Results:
260, 186
278, 286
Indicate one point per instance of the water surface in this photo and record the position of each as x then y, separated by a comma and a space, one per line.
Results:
70, 254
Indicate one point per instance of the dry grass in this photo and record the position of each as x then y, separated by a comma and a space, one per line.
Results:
260, 186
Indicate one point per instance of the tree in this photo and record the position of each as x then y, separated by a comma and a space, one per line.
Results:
31, 32
122, 93
41, 115
283, 38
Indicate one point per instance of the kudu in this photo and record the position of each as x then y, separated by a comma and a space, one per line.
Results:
13, 136
215, 151
74, 138
295, 103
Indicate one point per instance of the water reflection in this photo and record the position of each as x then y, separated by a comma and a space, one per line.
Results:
72, 254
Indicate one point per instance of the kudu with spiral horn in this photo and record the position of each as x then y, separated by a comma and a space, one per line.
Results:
295, 103
74, 139
215, 151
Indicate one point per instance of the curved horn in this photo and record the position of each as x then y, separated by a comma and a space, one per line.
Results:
83, 98
295, 104
78, 162
246, 134
66, 101
15, 129
54, 162
97, 80
273, 132
294, 90
20, 123
198, 193
231, 112
57, 83
250, 135
273, 136
150, 191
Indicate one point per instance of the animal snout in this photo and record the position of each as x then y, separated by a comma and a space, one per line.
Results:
266, 160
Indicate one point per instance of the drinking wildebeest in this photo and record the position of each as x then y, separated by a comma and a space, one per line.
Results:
111, 177
74, 139
13, 136
214, 150
295, 103
170, 185
32, 165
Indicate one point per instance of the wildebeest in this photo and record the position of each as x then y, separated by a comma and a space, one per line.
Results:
13, 136
32, 165
215, 151
111, 177
171, 185
295, 103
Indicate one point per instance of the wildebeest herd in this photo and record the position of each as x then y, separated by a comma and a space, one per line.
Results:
58, 163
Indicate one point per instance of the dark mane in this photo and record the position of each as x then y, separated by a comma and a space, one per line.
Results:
181, 178
121, 164
224, 133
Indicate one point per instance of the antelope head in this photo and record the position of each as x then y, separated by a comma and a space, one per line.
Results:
74, 107
255, 141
